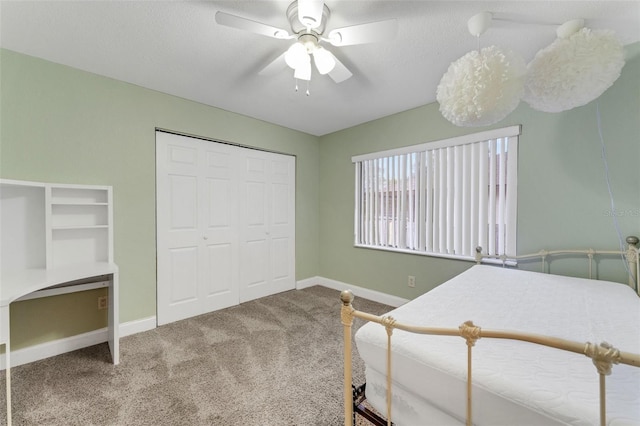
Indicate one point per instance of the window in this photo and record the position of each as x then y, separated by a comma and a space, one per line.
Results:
441, 198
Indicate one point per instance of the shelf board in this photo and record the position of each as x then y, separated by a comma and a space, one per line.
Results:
70, 227
75, 203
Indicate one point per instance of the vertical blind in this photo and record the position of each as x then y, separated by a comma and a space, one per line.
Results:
443, 198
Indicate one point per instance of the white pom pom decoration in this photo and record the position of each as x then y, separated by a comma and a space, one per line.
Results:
481, 88
573, 71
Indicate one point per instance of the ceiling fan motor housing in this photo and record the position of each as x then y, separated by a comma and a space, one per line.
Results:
297, 27
309, 41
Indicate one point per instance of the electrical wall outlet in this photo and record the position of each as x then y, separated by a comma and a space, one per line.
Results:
411, 282
103, 303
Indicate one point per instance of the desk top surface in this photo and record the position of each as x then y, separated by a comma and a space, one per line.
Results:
15, 284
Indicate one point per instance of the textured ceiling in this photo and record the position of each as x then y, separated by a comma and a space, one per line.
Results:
176, 47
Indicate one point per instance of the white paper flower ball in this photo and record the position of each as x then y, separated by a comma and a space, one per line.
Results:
573, 71
481, 88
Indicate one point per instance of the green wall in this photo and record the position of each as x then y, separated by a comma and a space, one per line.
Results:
63, 125
563, 201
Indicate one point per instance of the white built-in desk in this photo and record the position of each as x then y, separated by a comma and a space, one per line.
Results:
55, 239
15, 286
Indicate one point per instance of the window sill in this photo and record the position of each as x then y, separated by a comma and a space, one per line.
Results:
485, 260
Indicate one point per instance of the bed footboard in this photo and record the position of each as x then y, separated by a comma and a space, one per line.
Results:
602, 355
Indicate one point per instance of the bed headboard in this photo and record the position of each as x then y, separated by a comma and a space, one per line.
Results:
631, 256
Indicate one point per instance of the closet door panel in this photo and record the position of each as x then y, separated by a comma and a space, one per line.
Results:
183, 266
180, 272
281, 277
255, 265
178, 251
220, 271
254, 278
183, 203
218, 210
219, 226
282, 223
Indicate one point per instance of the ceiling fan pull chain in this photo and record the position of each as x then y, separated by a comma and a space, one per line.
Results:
296, 84
307, 87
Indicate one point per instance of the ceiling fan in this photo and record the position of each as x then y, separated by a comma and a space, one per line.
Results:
308, 21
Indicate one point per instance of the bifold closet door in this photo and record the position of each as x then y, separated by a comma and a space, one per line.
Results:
197, 222
267, 227
225, 225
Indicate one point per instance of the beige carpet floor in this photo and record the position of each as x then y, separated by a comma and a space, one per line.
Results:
272, 361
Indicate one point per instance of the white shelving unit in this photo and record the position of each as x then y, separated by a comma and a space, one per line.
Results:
50, 226
52, 234
80, 225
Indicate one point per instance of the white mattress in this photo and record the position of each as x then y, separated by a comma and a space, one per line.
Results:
514, 382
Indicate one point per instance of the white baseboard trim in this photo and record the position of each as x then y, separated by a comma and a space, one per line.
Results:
72, 343
55, 347
365, 293
307, 282
137, 326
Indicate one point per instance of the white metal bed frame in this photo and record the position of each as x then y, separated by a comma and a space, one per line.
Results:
603, 355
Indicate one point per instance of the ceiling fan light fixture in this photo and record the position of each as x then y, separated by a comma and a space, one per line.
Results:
296, 55
303, 71
324, 60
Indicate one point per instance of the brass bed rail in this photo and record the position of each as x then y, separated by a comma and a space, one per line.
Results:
603, 355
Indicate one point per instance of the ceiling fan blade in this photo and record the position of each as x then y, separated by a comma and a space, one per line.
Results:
274, 66
364, 33
234, 21
339, 73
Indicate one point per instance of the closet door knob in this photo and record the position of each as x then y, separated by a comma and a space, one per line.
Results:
205, 237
